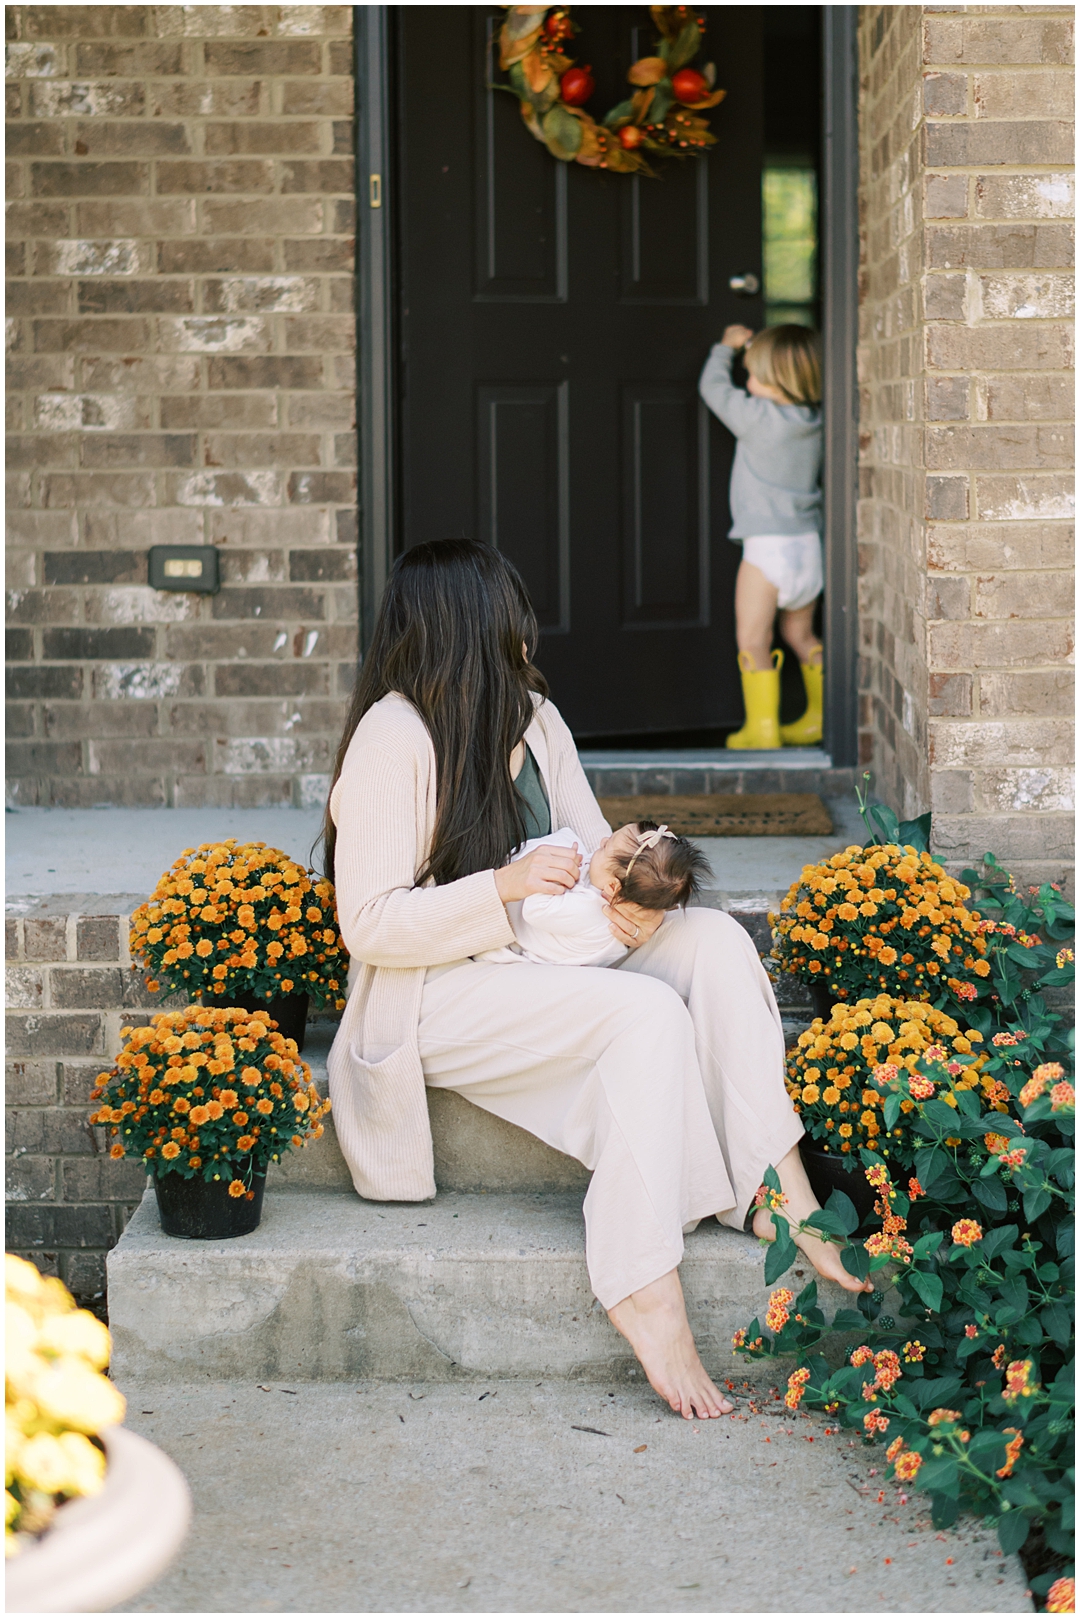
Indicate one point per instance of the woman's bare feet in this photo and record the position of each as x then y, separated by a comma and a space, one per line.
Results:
801, 1203
653, 1321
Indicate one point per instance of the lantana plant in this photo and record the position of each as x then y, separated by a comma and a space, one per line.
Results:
971, 1390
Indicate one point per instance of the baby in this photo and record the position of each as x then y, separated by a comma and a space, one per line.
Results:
641, 863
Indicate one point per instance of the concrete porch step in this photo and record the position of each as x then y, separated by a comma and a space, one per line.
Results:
331, 1287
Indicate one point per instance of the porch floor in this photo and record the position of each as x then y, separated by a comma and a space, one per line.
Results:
541, 1496
124, 851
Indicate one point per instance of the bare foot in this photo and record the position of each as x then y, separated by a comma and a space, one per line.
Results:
653, 1321
823, 1255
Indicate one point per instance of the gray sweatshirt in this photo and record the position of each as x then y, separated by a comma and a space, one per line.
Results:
775, 479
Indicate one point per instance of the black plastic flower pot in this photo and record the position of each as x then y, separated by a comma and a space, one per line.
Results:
829, 1171
824, 997
203, 1211
289, 1012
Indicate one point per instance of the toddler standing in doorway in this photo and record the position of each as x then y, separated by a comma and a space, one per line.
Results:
777, 515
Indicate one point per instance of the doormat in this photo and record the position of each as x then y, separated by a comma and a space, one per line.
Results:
727, 814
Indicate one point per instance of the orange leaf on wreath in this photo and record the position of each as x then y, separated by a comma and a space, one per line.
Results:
538, 72
648, 70
519, 33
710, 101
641, 101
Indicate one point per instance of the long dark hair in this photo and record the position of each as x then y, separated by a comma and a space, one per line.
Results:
451, 637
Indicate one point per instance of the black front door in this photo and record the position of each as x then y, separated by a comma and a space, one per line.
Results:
553, 321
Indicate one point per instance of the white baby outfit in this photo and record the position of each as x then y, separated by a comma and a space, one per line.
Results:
560, 929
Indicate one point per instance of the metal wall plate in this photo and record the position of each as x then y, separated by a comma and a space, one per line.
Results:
185, 567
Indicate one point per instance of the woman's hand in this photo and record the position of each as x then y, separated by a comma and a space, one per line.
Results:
736, 336
631, 924
545, 870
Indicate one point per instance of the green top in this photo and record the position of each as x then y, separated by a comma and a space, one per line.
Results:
530, 789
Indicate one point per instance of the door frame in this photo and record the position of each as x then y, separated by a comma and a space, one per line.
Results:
377, 340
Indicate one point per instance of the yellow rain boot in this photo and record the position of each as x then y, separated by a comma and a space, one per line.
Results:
805, 732
761, 699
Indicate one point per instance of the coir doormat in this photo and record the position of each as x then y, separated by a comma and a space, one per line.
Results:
727, 814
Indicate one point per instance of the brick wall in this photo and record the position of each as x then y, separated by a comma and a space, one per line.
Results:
180, 330
965, 350
69, 989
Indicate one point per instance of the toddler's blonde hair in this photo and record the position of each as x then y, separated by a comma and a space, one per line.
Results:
787, 358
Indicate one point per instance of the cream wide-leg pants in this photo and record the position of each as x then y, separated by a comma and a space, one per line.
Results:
664, 1076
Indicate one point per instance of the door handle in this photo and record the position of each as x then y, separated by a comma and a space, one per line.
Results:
745, 286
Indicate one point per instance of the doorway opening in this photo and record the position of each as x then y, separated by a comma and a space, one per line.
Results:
531, 336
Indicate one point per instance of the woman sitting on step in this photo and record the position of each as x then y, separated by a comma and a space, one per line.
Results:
663, 1075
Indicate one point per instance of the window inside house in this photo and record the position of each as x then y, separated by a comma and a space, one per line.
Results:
789, 180
790, 247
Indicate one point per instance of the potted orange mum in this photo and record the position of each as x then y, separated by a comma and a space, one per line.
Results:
208, 1098
241, 924
882, 919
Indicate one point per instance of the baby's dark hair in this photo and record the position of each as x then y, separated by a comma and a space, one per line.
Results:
663, 877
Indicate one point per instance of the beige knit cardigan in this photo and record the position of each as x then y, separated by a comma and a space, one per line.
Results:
383, 806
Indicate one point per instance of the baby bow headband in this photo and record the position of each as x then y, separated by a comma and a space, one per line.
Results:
648, 839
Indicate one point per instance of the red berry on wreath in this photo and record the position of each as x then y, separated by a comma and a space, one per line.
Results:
689, 85
630, 136
577, 86
557, 25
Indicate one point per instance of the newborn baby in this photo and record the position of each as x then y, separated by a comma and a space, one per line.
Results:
641, 863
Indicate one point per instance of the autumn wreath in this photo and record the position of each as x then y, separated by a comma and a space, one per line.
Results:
660, 117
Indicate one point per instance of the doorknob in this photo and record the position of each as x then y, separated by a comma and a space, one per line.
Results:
745, 286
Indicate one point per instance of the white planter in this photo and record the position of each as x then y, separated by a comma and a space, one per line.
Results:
104, 1549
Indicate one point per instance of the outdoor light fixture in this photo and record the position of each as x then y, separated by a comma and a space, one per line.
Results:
185, 567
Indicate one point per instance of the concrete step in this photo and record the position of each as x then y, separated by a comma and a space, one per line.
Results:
331, 1287
474, 1150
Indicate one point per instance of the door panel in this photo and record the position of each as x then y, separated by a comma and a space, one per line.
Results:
554, 320
524, 449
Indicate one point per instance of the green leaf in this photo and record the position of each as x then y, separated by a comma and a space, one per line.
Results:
562, 132
782, 1252
927, 1287
661, 102
939, 1474
856, 1261
1035, 1203
891, 1110
848, 1320
825, 1220
807, 1298
991, 1193
685, 45
620, 113
841, 1205
884, 822
771, 1180
1012, 1531
996, 1240
916, 832
928, 1244
969, 1103
1056, 1323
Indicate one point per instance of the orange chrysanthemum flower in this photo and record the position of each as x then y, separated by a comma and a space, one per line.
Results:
237, 1188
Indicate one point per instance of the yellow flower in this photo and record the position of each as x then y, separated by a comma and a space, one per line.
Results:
237, 1188
846, 1131
810, 1094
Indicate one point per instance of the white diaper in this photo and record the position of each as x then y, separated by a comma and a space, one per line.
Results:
792, 562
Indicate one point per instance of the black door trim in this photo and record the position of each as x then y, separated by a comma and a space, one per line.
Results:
376, 379
376, 359
840, 321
